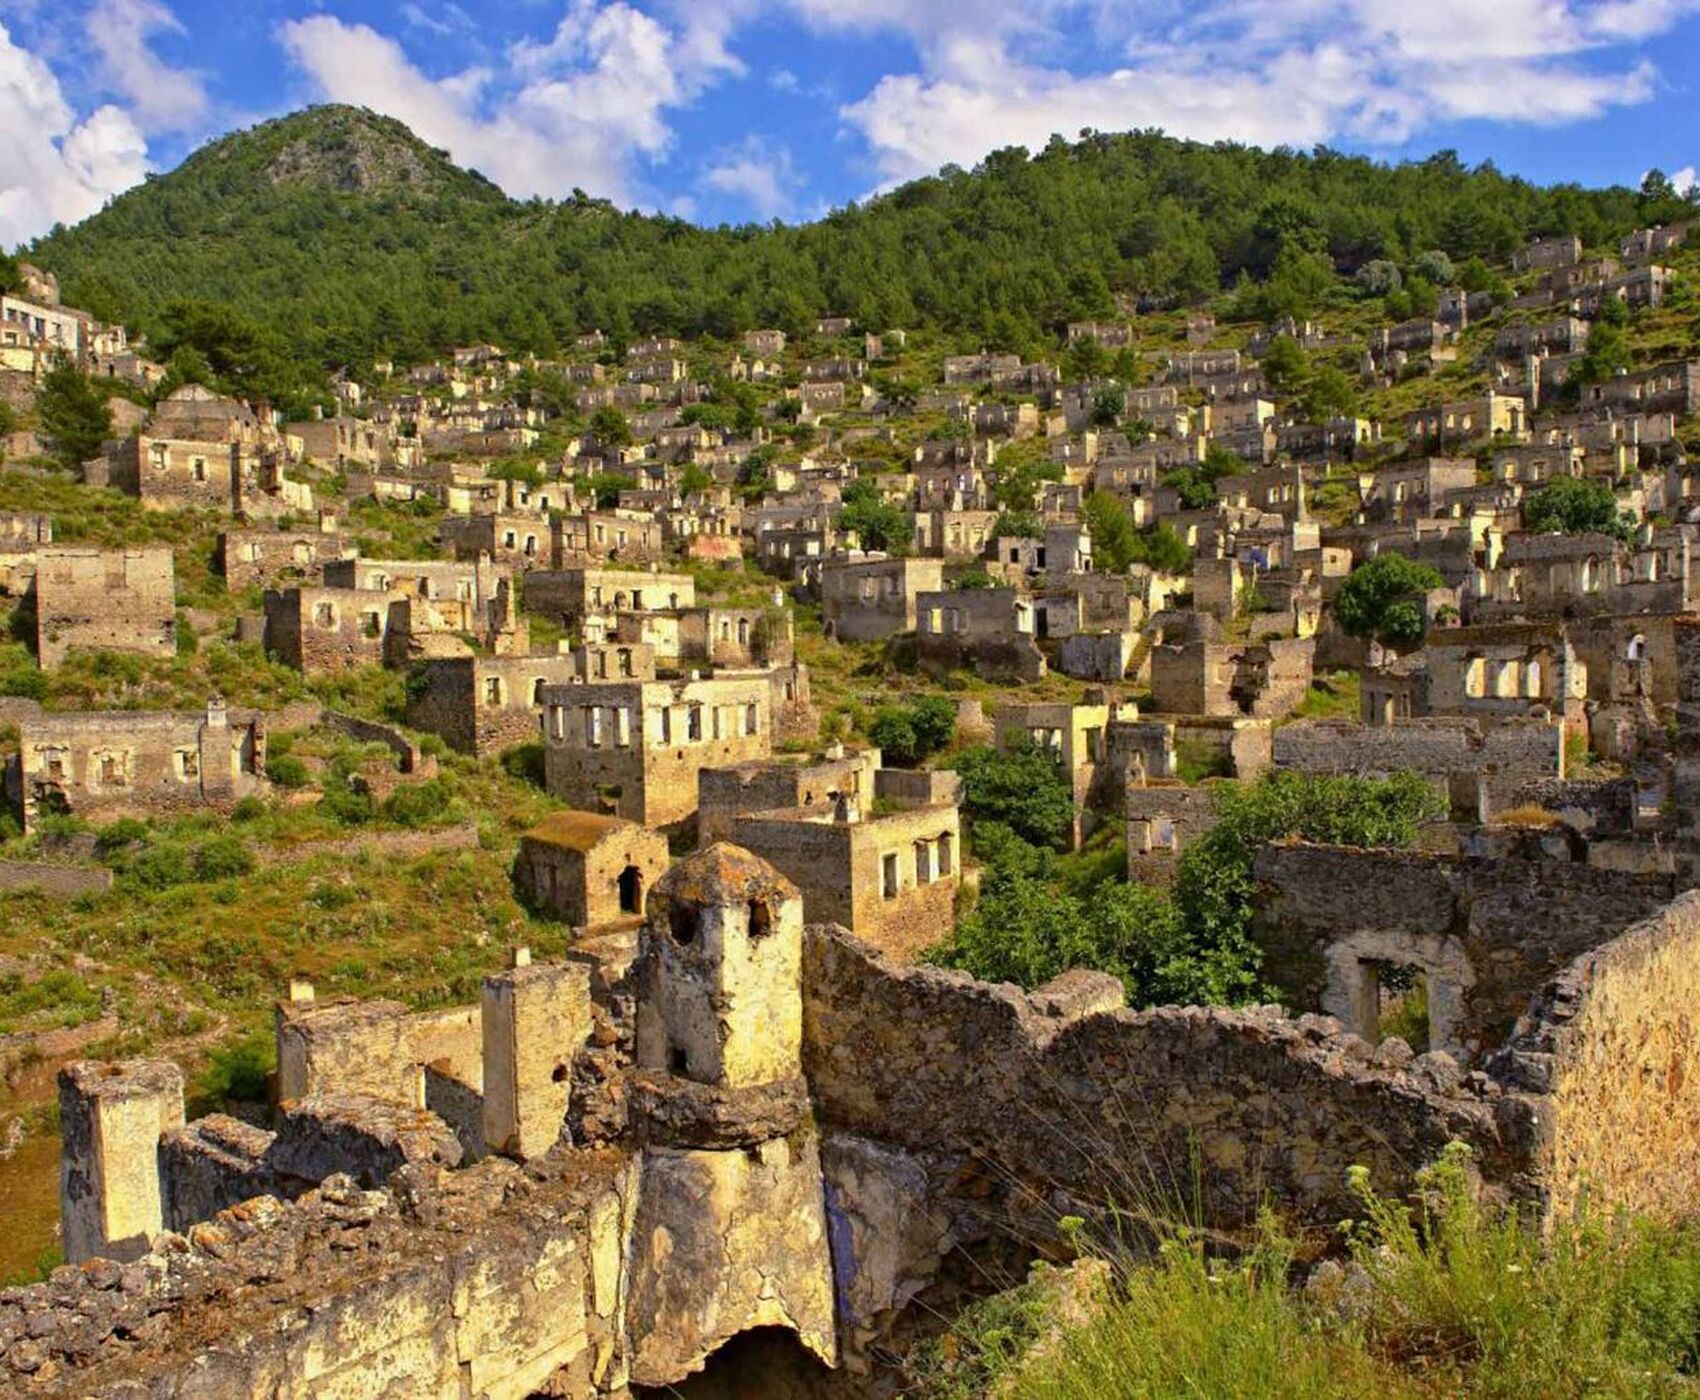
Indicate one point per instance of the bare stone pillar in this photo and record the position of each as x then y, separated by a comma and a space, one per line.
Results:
534, 1018
111, 1117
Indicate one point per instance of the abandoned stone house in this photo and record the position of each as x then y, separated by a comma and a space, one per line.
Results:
267, 558
1561, 250
1411, 490
1228, 679
602, 537
634, 748
868, 600
989, 630
103, 600
324, 631
102, 765
1479, 768
486, 704
516, 541
1497, 416
954, 534
890, 878
1673, 387
1568, 576
1503, 670
1645, 244
807, 785
569, 596
339, 442
594, 872
1065, 548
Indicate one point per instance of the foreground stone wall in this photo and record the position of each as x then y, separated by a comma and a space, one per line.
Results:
1146, 1109
1612, 1046
482, 1283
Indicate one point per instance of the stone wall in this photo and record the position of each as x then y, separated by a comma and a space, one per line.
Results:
54, 881
484, 704
1487, 931
890, 879
489, 1282
1211, 1108
266, 558
1480, 767
1610, 1052
104, 599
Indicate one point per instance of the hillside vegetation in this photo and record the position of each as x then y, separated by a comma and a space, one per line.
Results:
342, 236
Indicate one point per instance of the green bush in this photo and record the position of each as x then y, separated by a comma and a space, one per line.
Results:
237, 1069
286, 770
221, 858
429, 803
525, 762
161, 866
123, 832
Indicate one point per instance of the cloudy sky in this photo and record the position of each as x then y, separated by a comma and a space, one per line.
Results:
733, 110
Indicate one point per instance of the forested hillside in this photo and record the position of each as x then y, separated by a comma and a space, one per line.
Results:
346, 236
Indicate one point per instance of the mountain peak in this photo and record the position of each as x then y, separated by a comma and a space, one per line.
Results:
340, 149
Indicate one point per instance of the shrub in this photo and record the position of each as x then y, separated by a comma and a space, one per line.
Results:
221, 858
525, 762
420, 804
125, 831
247, 810
238, 1069
161, 866
1021, 787
286, 770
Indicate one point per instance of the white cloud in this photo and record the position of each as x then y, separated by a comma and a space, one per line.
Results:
578, 109
160, 98
997, 72
53, 167
757, 173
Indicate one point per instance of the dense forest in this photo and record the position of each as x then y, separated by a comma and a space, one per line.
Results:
344, 236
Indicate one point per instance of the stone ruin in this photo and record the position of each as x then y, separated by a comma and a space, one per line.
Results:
593, 1182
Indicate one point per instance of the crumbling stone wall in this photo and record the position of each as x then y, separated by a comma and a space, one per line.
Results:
1487, 930
484, 704
489, 1282
104, 765
1609, 1053
890, 879
266, 558
104, 599
1480, 768
1241, 1106
725, 793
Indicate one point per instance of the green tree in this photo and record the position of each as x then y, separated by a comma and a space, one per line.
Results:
1330, 394
611, 427
910, 734
1162, 548
1607, 352
1285, 365
1380, 599
1114, 541
1108, 405
74, 418
877, 522
608, 487
1214, 888
1575, 505
1021, 789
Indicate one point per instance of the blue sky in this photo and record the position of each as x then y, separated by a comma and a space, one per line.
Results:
733, 110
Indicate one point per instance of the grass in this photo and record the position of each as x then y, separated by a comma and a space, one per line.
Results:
1334, 696
1450, 1297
